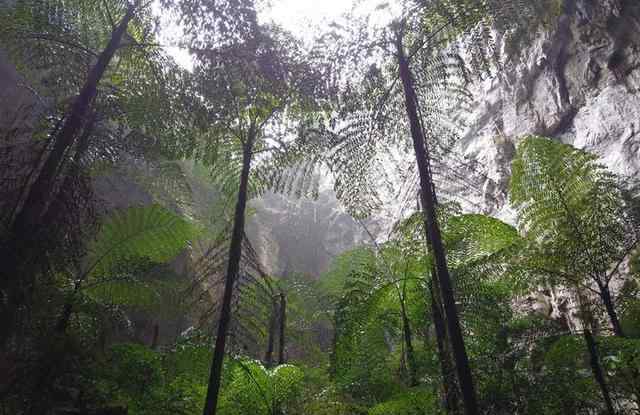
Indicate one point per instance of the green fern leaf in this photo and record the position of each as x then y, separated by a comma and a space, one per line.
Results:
150, 232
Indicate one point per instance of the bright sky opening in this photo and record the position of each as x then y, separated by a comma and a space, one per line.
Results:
301, 16
304, 18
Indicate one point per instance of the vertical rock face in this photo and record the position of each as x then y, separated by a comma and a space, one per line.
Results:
19, 106
578, 82
302, 235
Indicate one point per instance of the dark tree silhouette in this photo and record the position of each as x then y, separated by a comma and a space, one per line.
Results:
282, 324
21, 247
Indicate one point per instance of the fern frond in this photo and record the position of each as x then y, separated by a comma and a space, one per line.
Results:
151, 232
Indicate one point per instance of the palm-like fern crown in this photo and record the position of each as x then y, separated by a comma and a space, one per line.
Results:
480, 251
252, 388
449, 43
375, 284
253, 88
572, 206
151, 232
257, 84
138, 119
55, 44
138, 235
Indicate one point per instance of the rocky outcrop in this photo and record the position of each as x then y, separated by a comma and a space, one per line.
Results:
302, 235
578, 81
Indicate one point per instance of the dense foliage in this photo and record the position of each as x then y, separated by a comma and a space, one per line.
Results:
128, 283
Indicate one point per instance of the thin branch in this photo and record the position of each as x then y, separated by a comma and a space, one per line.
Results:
65, 42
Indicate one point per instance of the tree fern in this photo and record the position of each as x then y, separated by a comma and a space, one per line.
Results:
128, 245
258, 390
52, 37
576, 215
252, 81
54, 43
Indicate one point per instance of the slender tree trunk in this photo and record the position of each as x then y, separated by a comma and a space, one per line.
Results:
40, 192
268, 356
463, 368
156, 334
283, 325
596, 368
408, 341
605, 295
450, 393
235, 252
48, 365
56, 210
17, 271
333, 356
446, 368
594, 358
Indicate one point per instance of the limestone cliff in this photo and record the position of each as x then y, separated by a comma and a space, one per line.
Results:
578, 82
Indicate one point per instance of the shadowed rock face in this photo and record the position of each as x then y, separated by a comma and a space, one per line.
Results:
578, 82
302, 235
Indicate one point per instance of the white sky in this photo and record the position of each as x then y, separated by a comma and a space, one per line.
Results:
304, 18
299, 16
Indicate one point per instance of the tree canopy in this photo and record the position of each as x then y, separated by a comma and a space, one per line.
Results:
133, 280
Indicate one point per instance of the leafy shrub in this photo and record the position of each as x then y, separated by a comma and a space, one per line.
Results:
253, 389
134, 368
414, 402
136, 377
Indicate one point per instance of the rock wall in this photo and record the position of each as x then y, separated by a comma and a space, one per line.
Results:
303, 235
578, 82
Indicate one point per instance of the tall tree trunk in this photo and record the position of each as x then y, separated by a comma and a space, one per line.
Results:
596, 368
465, 378
156, 334
449, 387
594, 358
40, 192
408, 341
450, 392
268, 356
20, 250
605, 295
283, 325
235, 252
49, 364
